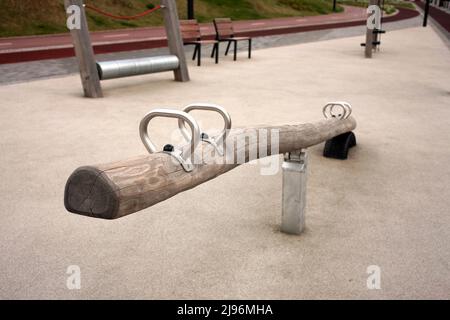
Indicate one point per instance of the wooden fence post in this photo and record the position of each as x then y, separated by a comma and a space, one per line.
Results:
85, 54
370, 35
174, 39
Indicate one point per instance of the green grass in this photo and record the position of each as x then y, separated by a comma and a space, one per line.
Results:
236, 9
34, 17
312, 6
389, 5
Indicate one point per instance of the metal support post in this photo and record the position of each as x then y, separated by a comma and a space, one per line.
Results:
294, 191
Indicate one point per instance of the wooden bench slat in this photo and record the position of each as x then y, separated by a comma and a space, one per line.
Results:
186, 22
229, 23
224, 27
190, 36
221, 28
225, 30
190, 30
224, 24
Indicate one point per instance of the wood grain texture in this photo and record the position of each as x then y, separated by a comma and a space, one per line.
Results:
224, 28
190, 30
120, 188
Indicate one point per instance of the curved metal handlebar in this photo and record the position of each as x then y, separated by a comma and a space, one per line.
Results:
329, 110
184, 159
208, 107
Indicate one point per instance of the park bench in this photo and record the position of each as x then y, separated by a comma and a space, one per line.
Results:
190, 31
225, 33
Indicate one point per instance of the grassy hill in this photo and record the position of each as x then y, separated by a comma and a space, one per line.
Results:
33, 17
30, 17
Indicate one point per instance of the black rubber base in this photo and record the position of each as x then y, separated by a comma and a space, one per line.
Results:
337, 148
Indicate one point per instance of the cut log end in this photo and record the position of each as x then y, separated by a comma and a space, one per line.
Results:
90, 193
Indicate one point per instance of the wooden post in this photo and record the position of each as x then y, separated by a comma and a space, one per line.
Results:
174, 39
113, 190
85, 54
370, 35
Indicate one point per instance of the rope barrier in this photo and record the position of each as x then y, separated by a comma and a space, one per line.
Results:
140, 15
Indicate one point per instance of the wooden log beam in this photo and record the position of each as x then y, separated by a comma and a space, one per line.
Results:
113, 190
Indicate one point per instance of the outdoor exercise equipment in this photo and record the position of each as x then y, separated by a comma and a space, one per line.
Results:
216, 141
93, 72
133, 67
114, 190
338, 146
373, 35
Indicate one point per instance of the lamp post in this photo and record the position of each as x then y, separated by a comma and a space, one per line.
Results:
425, 15
190, 9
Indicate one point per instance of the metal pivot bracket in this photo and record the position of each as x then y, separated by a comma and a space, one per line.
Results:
337, 109
183, 157
294, 168
338, 147
217, 140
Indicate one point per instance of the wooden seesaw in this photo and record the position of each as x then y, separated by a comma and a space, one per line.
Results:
114, 190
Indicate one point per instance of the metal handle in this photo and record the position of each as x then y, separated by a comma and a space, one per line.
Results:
329, 110
208, 107
184, 159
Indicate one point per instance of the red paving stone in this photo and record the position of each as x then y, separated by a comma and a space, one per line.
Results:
21, 49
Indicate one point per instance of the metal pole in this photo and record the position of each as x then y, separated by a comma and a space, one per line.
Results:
427, 10
190, 10
334, 5
294, 192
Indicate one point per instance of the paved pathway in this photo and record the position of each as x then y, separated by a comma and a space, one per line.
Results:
387, 205
158, 33
33, 70
439, 15
22, 49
